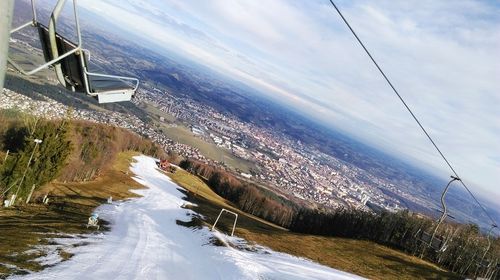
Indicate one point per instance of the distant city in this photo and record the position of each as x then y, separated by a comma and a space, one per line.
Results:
285, 163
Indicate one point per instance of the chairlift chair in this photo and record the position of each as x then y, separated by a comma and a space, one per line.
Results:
482, 262
435, 242
70, 62
485, 263
438, 244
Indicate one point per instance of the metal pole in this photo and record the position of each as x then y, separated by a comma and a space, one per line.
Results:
489, 242
33, 11
37, 141
443, 204
216, 220
234, 225
52, 37
31, 193
6, 13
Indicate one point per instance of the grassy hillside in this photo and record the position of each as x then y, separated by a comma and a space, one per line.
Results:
70, 151
78, 165
364, 258
463, 250
66, 215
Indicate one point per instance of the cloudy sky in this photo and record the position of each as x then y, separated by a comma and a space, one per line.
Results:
443, 56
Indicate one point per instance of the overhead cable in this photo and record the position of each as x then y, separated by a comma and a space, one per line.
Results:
412, 114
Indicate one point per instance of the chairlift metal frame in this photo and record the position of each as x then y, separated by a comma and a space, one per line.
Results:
482, 263
488, 238
230, 212
440, 245
77, 49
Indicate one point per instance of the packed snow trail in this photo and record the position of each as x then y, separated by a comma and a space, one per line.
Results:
146, 243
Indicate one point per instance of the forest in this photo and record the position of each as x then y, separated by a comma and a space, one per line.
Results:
460, 248
67, 150
247, 197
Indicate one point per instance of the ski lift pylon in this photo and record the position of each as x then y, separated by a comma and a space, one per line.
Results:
431, 239
70, 61
482, 262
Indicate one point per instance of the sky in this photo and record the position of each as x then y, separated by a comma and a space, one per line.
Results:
442, 56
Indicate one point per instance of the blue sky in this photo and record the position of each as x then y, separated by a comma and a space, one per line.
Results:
443, 56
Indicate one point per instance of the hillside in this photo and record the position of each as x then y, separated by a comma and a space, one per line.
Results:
160, 235
463, 248
78, 165
146, 242
361, 257
70, 151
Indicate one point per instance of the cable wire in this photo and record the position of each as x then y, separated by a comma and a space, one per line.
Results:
411, 112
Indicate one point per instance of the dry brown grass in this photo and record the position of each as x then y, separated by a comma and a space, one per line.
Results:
360, 257
23, 227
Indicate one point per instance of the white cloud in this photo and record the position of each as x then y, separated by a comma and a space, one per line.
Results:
443, 56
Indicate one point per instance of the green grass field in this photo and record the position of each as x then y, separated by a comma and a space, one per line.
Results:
179, 132
183, 135
156, 113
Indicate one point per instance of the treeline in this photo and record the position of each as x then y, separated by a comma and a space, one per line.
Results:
69, 151
464, 249
247, 197
28, 162
95, 147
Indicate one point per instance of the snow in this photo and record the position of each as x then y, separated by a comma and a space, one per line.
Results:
146, 243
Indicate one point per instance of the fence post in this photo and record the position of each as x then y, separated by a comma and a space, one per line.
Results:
6, 156
31, 193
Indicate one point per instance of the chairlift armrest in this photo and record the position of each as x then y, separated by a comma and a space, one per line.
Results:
47, 64
22, 26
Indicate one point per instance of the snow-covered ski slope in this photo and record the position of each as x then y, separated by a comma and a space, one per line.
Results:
146, 243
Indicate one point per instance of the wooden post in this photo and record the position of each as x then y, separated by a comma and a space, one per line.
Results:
31, 193
6, 156
12, 200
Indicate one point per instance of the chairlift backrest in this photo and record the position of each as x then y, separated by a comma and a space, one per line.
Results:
437, 243
485, 263
426, 237
71, 66
71, 62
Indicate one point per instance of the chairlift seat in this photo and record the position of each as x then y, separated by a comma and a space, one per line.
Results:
71, 61
485, 263
106, 89
103, 84
425, 237
71, 65
437, 243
